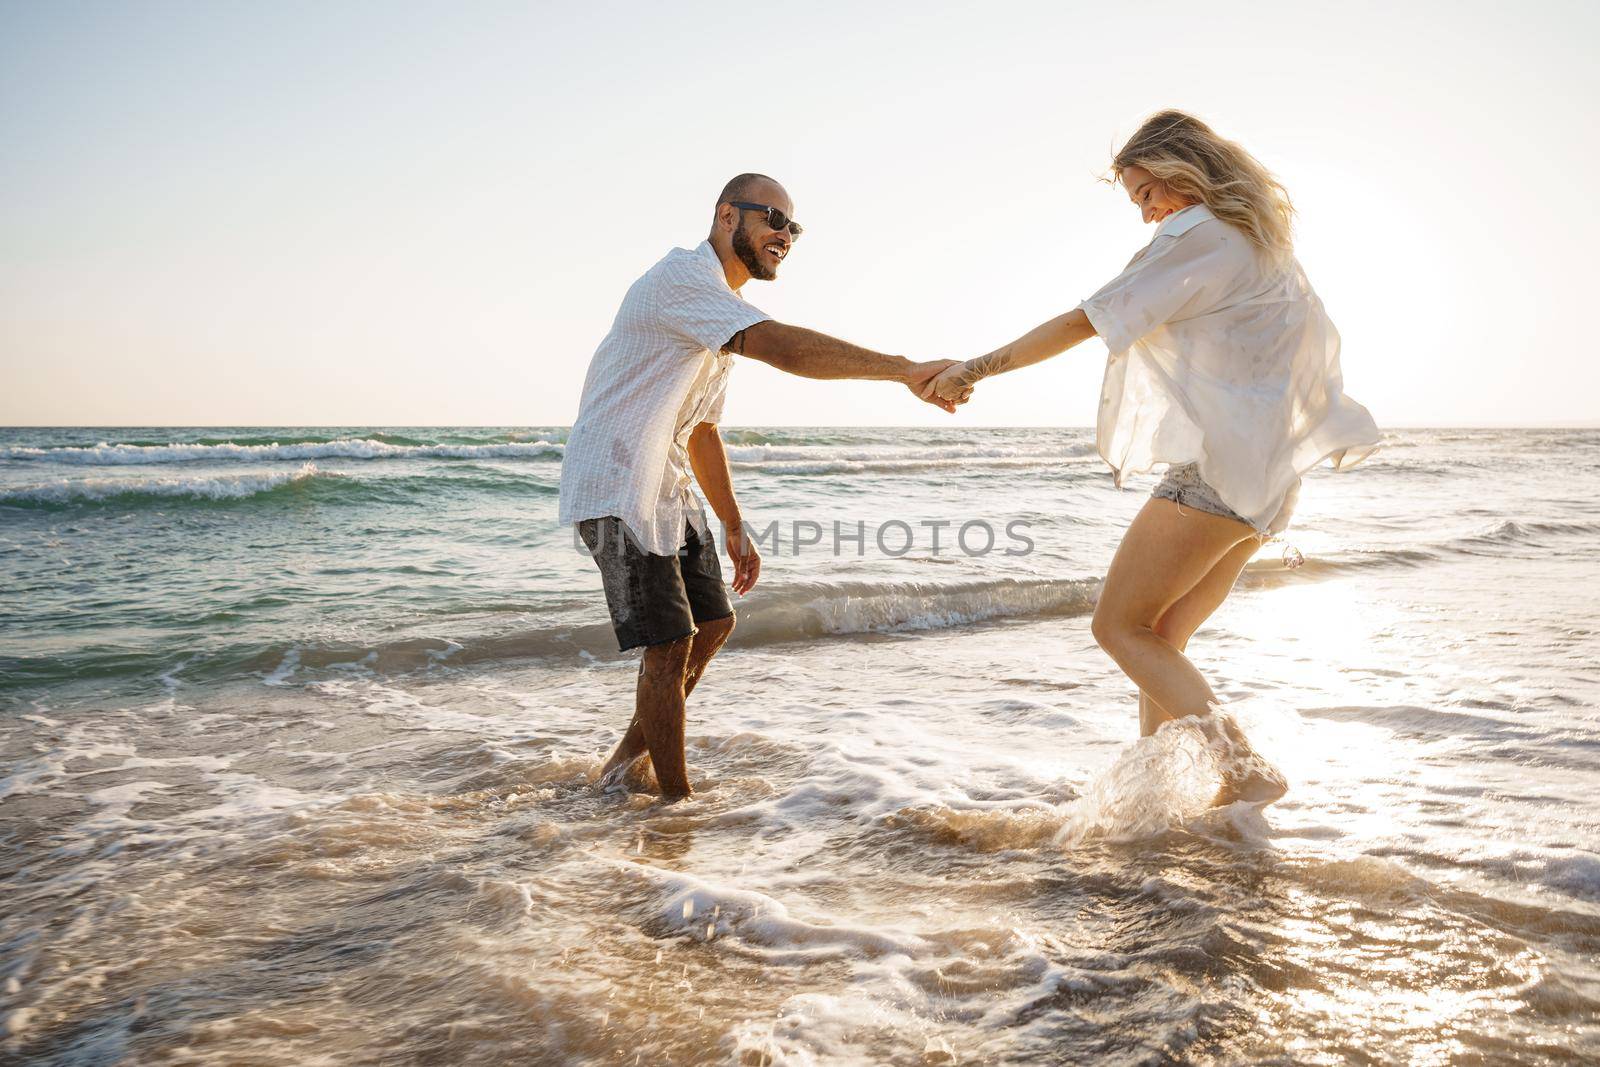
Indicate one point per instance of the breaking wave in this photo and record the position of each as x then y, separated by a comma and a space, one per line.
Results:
132, 490
307, 483
104, 454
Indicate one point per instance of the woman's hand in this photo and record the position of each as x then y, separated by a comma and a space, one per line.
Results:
919, 379
955, 383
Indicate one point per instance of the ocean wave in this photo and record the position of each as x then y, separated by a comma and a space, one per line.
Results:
1271, 570
891, 466
751, 437
746, 448
1507, 533
839, 436
799, 612
777, 613
1511, 532
98, 490
704, 910
105, 454
806, 609
1503, 535
323, 487
792, 612
753, 455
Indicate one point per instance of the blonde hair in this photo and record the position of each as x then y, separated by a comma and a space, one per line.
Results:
1198, 164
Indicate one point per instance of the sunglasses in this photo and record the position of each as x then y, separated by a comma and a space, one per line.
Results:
776, 219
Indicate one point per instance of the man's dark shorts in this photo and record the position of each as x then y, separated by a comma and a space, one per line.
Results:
656, 599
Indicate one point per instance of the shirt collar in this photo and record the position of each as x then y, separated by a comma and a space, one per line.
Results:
704, 249
1181, 222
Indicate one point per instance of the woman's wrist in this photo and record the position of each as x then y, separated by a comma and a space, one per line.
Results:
968, 372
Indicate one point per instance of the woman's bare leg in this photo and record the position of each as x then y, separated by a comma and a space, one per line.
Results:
1179, 622
1164, 555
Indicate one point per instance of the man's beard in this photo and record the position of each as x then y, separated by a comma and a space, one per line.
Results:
749, 257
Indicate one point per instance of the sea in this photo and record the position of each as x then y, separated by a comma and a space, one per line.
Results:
300, 732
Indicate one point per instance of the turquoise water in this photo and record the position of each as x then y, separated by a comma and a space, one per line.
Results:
299, 729
215, 553
205, 554
209, 554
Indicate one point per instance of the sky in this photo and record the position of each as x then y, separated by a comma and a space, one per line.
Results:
426, 213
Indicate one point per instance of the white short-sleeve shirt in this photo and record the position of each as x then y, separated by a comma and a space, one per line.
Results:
1221, 356
659, 373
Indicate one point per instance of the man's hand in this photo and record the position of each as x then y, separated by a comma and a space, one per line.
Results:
921, 376
744, 557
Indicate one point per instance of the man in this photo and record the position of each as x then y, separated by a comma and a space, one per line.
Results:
651, 403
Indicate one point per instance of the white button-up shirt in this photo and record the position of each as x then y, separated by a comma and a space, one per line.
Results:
1222, 357
659, 373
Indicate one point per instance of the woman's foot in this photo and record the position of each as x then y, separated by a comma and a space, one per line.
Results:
1259, 788
1246, 775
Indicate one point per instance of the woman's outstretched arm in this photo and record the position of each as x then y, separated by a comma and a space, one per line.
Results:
1037, 345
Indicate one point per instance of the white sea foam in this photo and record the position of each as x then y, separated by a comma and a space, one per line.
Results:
47, 768
1573, 872
19, 1020
807, 610
793, 612
768, 454
104, 454
825, 1030
246, 796
897, 464
285, 669
707, 910
216, 487
115, 802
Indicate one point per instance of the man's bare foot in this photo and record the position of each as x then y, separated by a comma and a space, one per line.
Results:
636, 775
641, 776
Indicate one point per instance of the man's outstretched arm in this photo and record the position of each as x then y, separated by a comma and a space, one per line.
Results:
809, 354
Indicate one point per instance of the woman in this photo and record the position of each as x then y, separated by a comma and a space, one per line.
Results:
1224, 366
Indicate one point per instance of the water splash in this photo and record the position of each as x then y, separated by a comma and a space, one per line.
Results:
1154, 784
1186, 767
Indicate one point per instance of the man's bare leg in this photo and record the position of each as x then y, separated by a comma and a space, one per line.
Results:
632, 759
659, 711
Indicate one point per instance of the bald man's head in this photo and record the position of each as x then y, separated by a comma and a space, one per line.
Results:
749, 233
748, 187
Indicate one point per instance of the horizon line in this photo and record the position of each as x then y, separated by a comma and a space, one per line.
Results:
1590, 425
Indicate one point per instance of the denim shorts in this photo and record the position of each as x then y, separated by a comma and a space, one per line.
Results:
1183, 485
655, 600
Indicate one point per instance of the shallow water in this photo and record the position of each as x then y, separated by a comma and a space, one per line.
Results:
302, 771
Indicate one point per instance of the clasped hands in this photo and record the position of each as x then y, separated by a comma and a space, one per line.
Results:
944, 383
